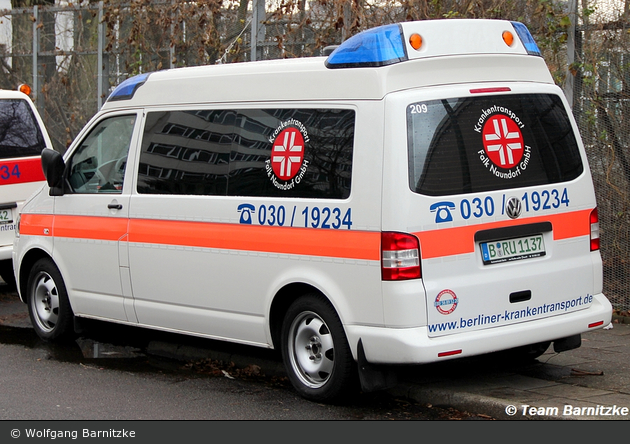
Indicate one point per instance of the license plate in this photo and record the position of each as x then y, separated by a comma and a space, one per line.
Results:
512, 249
6, 216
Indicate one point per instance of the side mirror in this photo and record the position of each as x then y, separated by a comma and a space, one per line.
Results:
53, 166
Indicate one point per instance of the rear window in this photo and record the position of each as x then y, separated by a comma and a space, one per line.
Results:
488, 143
20, 135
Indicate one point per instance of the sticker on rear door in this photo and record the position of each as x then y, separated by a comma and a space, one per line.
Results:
446, 302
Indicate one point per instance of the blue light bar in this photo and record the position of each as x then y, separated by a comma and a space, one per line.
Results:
527, 39
378, 46
128, 88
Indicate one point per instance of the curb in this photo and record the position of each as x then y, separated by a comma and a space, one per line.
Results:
618, 319
480, 404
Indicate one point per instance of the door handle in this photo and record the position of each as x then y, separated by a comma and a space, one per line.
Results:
114, 206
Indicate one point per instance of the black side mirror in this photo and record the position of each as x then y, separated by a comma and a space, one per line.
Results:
53, 166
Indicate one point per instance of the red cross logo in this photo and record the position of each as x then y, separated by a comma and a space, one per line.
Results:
503, 141
287, 153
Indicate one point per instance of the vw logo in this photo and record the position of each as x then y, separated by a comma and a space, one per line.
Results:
513, 207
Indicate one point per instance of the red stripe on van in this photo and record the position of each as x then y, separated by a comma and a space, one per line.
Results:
460, 240
21, 171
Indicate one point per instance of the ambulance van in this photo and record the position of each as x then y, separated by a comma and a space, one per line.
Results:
419, 194
23, 136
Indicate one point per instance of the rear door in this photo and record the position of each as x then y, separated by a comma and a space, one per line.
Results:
499, 193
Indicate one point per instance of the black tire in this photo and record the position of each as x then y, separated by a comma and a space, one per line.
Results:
6, 273
48, 304
315, 351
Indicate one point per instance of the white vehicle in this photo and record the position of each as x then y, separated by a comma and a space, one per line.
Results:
420, 194
23, 136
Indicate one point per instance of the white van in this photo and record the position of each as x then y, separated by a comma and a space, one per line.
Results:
23, 136
420, 194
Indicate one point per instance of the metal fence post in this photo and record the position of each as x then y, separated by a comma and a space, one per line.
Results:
35, 88
103, 78
258, 29
569, 83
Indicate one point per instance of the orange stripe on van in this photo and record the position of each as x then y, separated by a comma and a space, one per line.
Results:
78, 227
282, 240
35, 224
21, 171
90, 227
460, 240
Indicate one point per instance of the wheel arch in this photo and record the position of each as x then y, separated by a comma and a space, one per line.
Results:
28, 260
281, 302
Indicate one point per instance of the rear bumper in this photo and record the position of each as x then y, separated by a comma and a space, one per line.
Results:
413, 345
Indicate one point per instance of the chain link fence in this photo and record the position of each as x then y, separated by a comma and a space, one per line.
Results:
74, 55
601, 105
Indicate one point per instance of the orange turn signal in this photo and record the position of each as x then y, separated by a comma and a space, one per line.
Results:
24, 88
508, 38
415, 41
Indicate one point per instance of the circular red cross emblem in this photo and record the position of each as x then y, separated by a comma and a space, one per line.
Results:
503, 141
287, 153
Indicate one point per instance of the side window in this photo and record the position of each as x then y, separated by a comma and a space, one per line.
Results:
20, 135
248, 152
98, 165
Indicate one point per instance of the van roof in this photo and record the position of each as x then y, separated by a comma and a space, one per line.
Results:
13, 94
369, 65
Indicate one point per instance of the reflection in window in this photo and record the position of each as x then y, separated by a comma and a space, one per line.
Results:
226, 152
98, 165
446, 146
20, 135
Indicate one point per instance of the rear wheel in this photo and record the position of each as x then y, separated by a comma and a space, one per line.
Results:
315, 350
48, 304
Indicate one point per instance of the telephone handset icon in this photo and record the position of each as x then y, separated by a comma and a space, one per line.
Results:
246, 211
442, 211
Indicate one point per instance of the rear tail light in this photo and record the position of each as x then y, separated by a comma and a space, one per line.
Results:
400, 256
594, 230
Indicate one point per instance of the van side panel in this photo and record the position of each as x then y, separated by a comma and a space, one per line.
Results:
218, 261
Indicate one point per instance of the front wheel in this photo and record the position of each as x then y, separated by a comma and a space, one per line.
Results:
315, 351
48, 304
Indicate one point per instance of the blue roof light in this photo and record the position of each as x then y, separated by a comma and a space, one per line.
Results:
378, 46
526, 38
128, 88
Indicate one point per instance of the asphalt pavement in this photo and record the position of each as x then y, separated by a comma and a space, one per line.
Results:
591, 382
